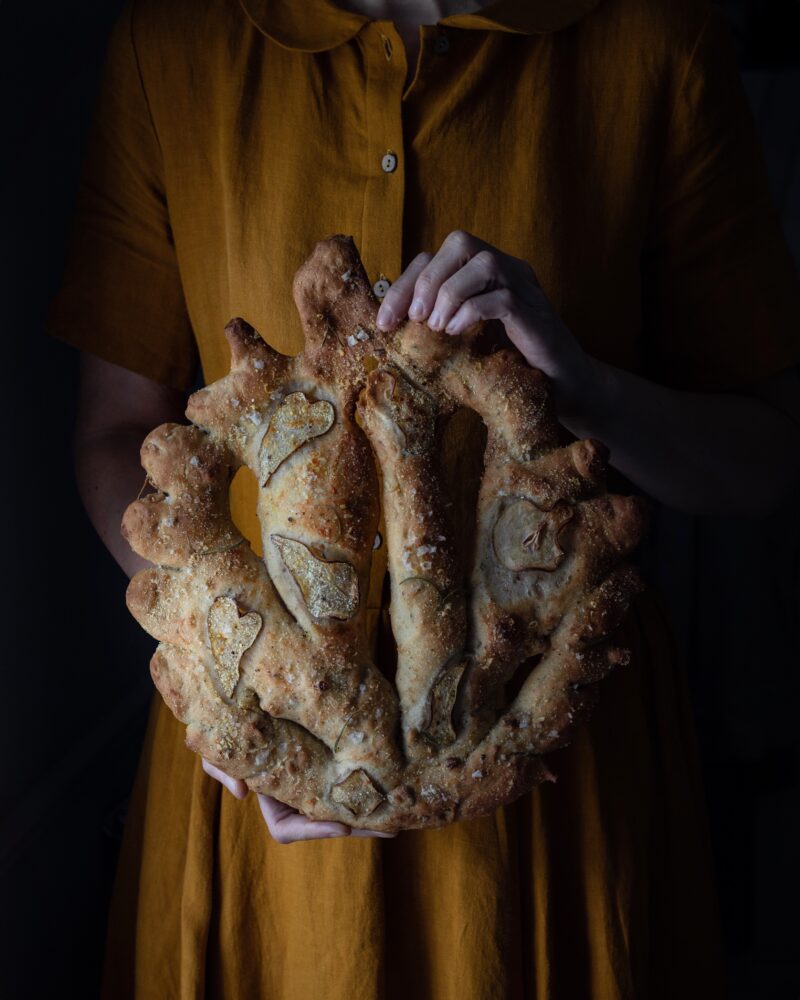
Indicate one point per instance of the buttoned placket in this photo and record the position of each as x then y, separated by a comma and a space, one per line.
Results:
385, 168
384, 195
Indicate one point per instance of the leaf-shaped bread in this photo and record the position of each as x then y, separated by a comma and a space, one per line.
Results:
267, 661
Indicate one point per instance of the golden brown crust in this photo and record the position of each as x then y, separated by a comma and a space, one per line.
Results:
267, 662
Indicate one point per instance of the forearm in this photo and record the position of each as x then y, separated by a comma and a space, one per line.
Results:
110, 476
702, 453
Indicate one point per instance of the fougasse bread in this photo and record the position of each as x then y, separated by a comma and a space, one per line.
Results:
267, 661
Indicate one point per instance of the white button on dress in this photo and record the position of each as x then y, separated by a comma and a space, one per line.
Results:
389, 162
381, 287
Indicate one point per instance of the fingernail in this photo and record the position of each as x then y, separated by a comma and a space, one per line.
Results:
339, 834
417, 309
435, 319
385, 317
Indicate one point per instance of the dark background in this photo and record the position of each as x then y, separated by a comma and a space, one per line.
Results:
75, 676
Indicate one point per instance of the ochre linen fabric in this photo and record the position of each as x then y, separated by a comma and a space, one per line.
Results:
607, 143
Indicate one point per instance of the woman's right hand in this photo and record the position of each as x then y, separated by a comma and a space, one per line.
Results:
288, 825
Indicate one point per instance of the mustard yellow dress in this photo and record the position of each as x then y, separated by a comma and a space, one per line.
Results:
608, 143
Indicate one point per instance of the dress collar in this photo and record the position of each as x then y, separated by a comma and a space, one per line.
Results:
318, 25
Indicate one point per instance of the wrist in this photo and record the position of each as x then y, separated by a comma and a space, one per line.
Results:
585, 398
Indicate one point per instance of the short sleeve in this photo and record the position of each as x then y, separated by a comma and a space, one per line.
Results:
121, 296
721, 296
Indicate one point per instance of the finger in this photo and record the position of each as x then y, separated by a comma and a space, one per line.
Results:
457, 250
485, 272
277, 813
531, 324
287, 825
396, 301
273, 809
501, 304
235, 786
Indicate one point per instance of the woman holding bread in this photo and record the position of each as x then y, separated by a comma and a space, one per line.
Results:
585, 173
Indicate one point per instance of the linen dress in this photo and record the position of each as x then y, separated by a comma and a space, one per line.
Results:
608, 144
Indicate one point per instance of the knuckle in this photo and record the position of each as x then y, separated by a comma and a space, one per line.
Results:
458, 237
486, 260
507, 298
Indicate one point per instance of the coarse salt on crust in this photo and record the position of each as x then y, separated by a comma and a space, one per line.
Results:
499, 619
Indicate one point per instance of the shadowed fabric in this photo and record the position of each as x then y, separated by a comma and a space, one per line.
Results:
608, 144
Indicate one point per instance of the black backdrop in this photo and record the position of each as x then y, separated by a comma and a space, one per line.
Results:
75, 678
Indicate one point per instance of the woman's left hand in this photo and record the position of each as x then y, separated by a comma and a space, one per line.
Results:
469, 280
